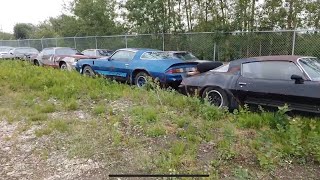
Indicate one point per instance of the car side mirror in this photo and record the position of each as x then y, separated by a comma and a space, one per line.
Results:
298, 79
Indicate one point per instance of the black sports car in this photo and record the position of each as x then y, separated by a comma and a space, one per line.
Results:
267, 80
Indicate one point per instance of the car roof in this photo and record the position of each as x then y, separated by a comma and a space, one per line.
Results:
24, 48
59, 48
6, 47
98, 49
293, 58
138, 49
178, 51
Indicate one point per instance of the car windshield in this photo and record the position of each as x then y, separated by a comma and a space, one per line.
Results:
27, 50
104, 52
186, 56
311, 67
156, 55
67, 51
5, 49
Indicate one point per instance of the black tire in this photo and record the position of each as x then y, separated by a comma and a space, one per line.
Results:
63, 66
141, 79
207, 66
216, 97
36, 63
88, 71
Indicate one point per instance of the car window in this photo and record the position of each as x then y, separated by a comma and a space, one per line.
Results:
66, 51
88, 53
186, 56
156, 55
277, 70
123, 56
311, 67
103, 52
85, 52
47, 52
26, 50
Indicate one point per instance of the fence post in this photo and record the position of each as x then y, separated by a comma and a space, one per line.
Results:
214, 51
126, 40
260, 49
42, 42
75, 43
56, 41
96, 42
293, 41
163, 44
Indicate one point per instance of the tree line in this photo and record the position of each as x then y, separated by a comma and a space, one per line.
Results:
110, 17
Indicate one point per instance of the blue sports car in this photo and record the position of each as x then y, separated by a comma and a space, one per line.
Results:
135, 65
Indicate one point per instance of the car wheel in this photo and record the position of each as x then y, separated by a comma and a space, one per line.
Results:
36, 63
141, 79
216, 97
63, 66
88, 71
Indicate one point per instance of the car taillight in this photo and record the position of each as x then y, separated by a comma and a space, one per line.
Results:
177, 70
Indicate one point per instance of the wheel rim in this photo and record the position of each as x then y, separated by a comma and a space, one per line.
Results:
141, 81
215, 98
87, 72
63, 66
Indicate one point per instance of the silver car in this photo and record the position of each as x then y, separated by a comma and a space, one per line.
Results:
23, 53
4, 52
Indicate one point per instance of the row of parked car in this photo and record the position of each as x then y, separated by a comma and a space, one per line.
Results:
25, 53
266, 80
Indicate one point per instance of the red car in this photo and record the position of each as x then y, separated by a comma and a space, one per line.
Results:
59, 57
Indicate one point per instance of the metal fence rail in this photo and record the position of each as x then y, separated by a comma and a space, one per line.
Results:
221, 46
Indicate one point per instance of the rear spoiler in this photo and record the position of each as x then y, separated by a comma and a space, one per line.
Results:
184, 63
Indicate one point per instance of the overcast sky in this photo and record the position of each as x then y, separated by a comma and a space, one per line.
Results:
27, 11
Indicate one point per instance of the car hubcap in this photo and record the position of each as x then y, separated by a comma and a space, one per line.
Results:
63, 66
215, 98
141, 81
87, 72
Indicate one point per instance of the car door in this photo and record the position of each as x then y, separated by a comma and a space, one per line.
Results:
269, 83
46, 57
119, 64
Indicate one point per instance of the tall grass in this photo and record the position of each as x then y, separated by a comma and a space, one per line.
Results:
175, 126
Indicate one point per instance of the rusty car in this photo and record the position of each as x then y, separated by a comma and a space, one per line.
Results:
59, 57
270, 81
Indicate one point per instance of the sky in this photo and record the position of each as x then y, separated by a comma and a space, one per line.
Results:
27, 11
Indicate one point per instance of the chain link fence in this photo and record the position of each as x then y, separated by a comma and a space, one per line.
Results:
205, 45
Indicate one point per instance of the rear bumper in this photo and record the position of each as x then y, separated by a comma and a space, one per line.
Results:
173, 81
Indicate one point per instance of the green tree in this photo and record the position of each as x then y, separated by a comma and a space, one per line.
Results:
5, 36
96, 17
23, 30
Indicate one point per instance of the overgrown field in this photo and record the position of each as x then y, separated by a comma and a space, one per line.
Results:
132, 130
